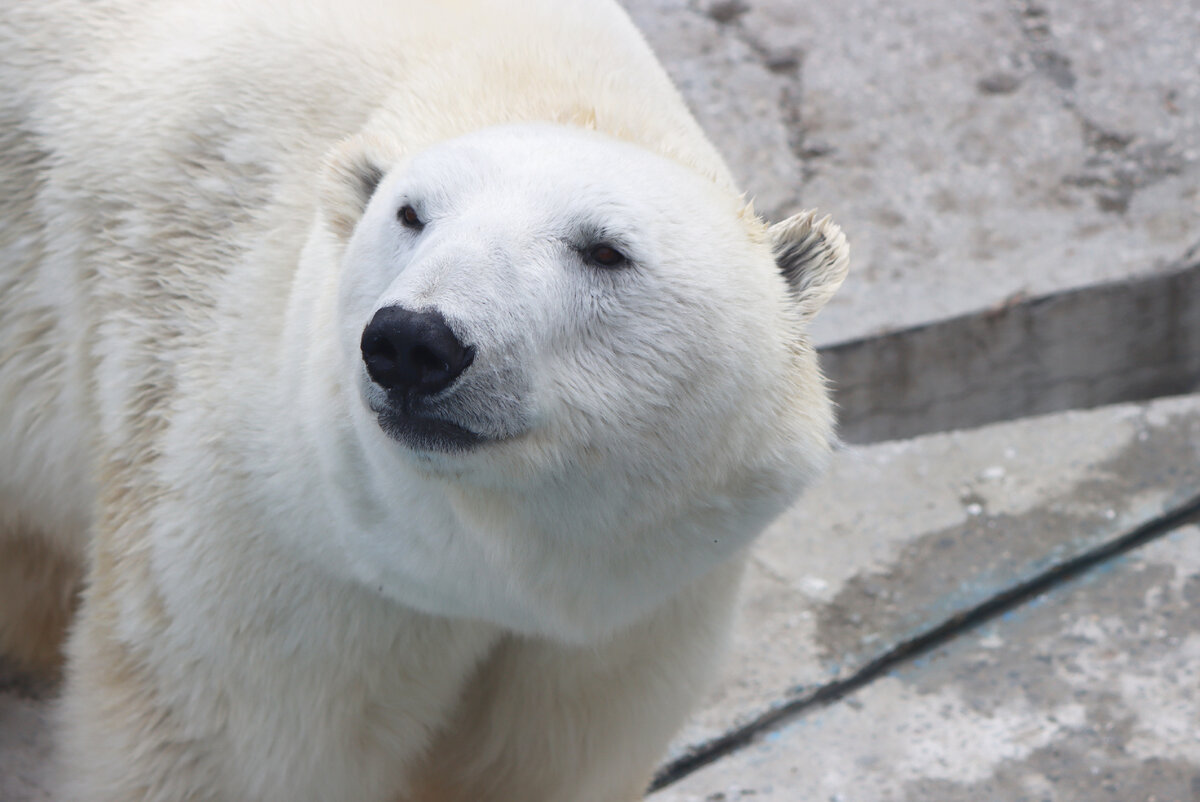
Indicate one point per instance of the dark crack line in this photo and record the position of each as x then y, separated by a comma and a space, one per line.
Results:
959, 624
1119, 164
787, 66
1190, 258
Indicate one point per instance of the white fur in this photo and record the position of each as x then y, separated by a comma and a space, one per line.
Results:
286, 603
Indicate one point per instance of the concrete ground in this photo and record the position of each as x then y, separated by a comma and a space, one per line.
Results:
1003, 611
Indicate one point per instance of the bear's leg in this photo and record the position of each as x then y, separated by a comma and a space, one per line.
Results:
543, 722
38, 589
114, 743
307, 691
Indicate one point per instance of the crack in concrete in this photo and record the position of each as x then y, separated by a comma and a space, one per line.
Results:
1192, 254
788, 64
927, 577
951, 628
724, 12
1034, 21
1118, 166
1100, 668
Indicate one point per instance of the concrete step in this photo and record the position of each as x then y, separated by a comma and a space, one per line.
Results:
1127, 340
908, 538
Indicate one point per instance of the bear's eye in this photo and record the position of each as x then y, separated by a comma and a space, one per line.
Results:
408, 216
606, 256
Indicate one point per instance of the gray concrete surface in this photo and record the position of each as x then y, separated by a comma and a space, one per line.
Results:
974, 152
902, 536
1087, 694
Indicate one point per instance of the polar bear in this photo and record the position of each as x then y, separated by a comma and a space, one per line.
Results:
408, 379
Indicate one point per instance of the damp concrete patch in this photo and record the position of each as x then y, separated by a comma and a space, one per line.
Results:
901, 537
1087, 693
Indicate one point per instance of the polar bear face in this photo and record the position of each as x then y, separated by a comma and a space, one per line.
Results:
547, 284
592, 332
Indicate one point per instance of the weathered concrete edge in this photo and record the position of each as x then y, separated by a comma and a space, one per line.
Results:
1127, 340
962, 621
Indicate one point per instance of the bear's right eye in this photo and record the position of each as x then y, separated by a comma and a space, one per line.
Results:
606, 256
409, 217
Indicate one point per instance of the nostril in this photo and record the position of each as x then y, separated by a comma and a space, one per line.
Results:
376, 346
411, 352
379, 355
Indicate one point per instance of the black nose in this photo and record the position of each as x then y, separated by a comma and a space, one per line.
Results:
412, 353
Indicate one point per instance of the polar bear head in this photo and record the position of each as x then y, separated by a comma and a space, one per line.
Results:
584, 344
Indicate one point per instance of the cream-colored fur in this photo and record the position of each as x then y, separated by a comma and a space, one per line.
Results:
283, 601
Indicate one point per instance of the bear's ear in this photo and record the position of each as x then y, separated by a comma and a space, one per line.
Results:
813, 256
352, 172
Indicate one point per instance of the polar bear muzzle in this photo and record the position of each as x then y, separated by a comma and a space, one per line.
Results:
413, 356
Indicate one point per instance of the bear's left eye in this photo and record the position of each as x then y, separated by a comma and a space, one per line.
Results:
409, 217
606, 256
